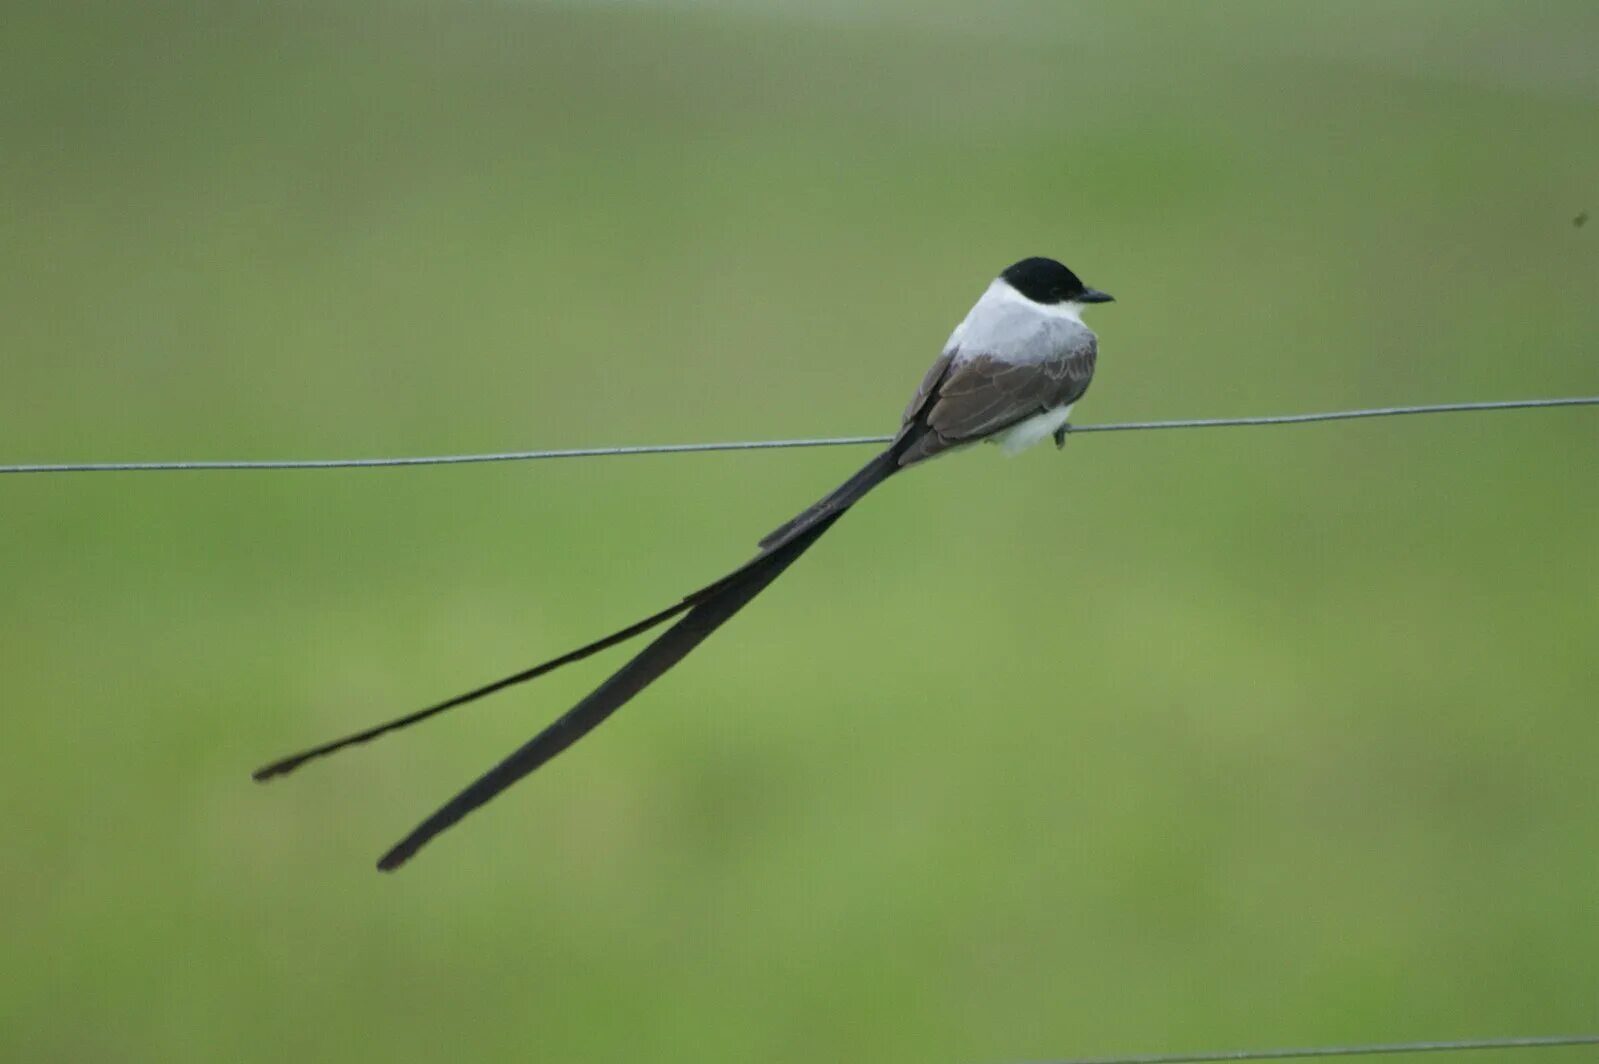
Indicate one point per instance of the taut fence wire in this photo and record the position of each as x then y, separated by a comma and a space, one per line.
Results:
1378, 1049
765, 445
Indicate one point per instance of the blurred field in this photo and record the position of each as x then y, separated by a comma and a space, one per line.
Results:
1170, 741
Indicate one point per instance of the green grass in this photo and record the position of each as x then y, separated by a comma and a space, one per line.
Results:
1202, 740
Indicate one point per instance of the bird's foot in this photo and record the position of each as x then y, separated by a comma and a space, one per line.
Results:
1060, 436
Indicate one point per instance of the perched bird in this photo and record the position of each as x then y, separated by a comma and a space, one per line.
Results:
1009, 374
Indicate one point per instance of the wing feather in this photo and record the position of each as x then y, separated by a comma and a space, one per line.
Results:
968, 397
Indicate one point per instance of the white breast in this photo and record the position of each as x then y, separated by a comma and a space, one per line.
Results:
1035, 429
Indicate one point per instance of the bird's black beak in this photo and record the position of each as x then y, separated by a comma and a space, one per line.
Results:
1094, 295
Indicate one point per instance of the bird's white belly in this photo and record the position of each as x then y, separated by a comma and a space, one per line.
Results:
1035, 429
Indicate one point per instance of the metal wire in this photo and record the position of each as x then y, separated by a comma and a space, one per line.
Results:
1541, 1042
760, 445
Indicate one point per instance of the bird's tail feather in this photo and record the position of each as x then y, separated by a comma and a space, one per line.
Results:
833, 505
882, 466
706, 615
284, 766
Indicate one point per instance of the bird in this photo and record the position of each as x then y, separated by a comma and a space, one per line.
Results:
1009, 374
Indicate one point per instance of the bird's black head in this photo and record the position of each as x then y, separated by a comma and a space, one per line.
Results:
1047, 281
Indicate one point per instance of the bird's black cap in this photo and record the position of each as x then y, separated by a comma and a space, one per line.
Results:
1047, 281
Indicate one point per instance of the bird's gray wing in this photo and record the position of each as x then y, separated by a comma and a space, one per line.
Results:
974, 396
926, 390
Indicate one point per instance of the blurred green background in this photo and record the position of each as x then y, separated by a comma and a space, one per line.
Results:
1172, 741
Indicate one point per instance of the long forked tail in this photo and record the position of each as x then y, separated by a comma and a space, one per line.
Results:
711, 607
834, 504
